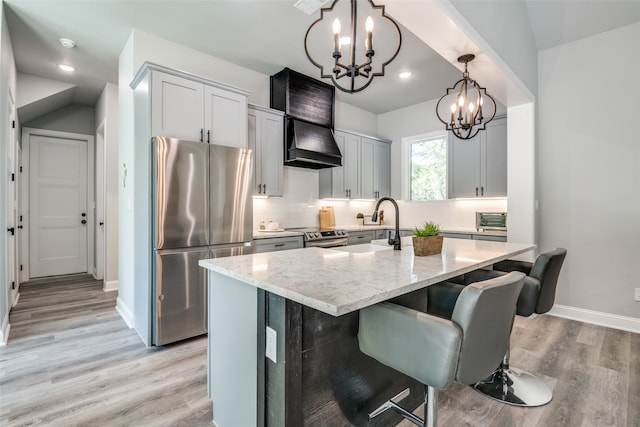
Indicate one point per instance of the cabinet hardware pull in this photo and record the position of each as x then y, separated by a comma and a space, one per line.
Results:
264, 188
208, 136
201, 135
476, 191
259, 188
482, 191
279, 245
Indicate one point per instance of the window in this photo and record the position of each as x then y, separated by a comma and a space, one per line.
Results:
427, 167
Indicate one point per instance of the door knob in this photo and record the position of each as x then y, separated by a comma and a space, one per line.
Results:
101, 223
12, 231
84, 221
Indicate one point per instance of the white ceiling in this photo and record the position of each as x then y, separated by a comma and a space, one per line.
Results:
263, 35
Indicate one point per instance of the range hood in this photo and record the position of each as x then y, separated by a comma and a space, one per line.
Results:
309, 107
311, 146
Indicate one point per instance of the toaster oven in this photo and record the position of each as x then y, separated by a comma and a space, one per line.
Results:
491, 221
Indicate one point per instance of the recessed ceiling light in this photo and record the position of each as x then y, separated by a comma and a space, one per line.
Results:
68, 43
65, 67
405, 74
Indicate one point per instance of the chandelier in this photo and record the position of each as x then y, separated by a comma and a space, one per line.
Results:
352, 70
465, 105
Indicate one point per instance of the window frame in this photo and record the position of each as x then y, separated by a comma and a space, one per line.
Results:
407, 142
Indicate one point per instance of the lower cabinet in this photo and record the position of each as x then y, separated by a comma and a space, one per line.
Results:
474, 236
277, 244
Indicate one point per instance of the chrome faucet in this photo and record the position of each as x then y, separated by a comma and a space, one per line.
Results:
374, 217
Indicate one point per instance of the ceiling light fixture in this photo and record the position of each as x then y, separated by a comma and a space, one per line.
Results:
65, 67
405, 74
466, 105
358, 76
68, 43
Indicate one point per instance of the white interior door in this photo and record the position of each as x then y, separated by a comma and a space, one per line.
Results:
58, 213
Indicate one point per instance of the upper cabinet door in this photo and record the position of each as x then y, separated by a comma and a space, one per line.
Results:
382, 176
464, 167
176, 107
367, 168
225, 116
494, 161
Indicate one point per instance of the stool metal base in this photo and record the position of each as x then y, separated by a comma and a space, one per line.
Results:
515, 387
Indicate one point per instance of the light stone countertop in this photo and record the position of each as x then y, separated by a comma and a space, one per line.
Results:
342, 280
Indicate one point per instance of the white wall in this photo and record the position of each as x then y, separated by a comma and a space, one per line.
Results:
505, 26
107, 113
7, 84
588, 174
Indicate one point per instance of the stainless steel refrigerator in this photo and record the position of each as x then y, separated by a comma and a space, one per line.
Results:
202, 208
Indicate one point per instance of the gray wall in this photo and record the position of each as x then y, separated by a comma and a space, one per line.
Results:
73, 119
588, 171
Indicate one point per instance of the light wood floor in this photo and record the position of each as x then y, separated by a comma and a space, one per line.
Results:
71, 361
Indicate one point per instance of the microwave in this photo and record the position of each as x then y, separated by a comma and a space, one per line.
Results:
491, 221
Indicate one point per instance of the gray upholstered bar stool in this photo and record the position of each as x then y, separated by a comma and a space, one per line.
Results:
508, 384
437, 351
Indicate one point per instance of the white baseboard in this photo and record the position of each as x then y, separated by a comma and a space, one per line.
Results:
110, 286
4, 330
125, 313
15, 300
624, 323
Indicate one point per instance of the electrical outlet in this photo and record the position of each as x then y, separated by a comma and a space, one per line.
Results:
637, 294
271, 345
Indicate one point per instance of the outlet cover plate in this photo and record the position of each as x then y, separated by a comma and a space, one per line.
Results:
271, 344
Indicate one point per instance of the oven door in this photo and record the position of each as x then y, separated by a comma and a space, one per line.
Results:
329, 243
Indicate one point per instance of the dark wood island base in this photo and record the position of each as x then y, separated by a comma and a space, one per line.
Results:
321, 378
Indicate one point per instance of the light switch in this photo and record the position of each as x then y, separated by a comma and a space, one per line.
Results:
272, 339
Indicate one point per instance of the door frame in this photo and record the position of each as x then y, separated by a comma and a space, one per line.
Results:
100, 213
91, 201
11, 207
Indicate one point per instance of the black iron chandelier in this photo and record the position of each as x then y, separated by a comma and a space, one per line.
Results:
358, 76
465, 105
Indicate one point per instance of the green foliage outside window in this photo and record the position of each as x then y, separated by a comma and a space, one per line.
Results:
428, 169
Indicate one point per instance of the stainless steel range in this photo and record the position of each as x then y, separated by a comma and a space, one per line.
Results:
325, 239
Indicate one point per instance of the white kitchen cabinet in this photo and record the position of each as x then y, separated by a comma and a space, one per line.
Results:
478, 166
277, 244
365, 171
188, 107
266, 138
225, 117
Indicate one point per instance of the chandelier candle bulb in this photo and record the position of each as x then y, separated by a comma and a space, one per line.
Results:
369, 41
336, 37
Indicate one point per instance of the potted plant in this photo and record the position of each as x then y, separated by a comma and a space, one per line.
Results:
427, 239
360, 218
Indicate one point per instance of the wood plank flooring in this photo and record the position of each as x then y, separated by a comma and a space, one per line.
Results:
71, 361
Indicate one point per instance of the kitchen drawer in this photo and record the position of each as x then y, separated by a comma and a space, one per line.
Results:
467, 236
490, 237
278, 244
359, 237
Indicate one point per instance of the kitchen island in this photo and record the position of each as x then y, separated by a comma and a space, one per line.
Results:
282, 329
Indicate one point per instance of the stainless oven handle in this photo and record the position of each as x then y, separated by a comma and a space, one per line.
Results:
327, 243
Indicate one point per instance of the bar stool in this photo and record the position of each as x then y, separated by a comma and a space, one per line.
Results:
436, 351
507, 384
